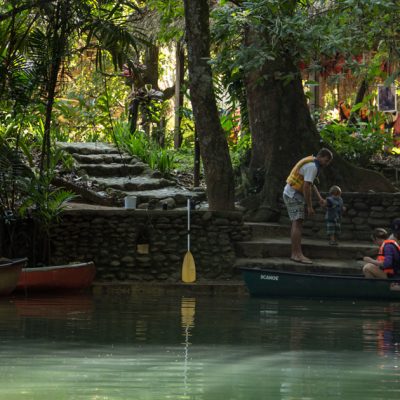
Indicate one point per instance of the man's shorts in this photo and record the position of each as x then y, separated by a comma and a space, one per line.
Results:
295, 207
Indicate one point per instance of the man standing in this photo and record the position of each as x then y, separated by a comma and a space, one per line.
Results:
297, 195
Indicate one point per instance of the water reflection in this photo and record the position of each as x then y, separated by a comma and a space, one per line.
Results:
188, 306
203, 348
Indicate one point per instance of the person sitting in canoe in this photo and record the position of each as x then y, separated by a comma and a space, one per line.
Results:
387, 264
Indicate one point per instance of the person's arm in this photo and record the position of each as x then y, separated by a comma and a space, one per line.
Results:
309, 172
307, 191
372, 261
322, 201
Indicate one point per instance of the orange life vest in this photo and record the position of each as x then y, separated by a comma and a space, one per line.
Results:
381, 257
295, 179
345, 110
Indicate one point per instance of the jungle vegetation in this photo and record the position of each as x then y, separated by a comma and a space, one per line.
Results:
237, 82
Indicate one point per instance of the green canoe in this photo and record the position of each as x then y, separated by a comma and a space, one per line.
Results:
267, 282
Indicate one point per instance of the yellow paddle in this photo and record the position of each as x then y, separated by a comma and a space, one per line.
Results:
188, 266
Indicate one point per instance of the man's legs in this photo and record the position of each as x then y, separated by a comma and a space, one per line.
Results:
295, 209
295, 237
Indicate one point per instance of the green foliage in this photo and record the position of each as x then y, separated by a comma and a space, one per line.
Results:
171, 14
239, 150
14, 176
162, 160
45, 202
356, 144
83, 114
184, 159
139, 145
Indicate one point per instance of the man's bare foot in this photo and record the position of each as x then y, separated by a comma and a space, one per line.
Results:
302, 260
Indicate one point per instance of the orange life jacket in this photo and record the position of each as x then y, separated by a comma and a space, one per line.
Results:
295, 179
345, 110
381, 257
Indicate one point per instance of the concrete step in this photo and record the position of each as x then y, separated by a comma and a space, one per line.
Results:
88, 148
268, 229
133, 183
108, 170
180, 195
313, 248
104, 158
320, 265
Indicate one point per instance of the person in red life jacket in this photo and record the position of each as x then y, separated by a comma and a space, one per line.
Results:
297, 195
387, 264
344, 111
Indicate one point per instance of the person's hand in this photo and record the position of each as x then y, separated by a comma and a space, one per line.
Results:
310, 211
322, 202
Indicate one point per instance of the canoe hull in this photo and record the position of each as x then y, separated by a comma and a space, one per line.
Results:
61, 277
265, 283
10, 272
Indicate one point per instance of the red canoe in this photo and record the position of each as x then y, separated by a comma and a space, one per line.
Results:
60, 277
10, 271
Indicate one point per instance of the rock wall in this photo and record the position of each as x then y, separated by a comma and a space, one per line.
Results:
111, 238
365, 211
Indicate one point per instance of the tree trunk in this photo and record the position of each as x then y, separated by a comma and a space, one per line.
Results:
283, 132
362, 90
196, 169
151, 74
179, 75
58, 48
213, 145
151, 62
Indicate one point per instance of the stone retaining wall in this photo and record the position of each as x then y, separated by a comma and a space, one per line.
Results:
110, 238
365, 211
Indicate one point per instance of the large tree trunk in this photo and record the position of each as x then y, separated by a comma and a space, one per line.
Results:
283, 132
151, 74
179, 75
58, 45
213, 145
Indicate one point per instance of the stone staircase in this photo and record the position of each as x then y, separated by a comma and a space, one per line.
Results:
270, 245
123, 175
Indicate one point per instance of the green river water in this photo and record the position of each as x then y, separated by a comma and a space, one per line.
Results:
205, 348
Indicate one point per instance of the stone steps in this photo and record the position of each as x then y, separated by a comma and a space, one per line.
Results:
104, 158
134, 183
179, 195
259, 229
104, 166
313, 248
270, 247
93, 148
113, 169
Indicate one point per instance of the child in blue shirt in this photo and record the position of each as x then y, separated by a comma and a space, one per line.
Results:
333, 215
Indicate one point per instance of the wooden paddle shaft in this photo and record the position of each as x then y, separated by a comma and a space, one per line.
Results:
188, 224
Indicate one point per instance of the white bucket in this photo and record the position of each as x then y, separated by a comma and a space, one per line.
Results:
130, 201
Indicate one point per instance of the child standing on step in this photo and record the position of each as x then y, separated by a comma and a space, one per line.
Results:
333, 215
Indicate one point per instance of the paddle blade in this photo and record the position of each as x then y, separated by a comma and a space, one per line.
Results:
188, 268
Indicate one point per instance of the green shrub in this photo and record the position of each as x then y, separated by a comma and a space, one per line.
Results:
356, 143
162, 159
239, 150
144, 148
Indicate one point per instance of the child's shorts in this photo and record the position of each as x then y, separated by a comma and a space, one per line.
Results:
333, 227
